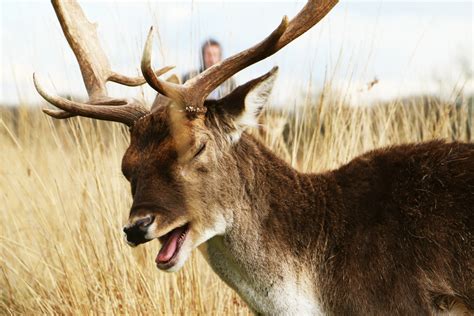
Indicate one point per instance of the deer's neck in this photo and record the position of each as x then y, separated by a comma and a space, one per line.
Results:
264, 255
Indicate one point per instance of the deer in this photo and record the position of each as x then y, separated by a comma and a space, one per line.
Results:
389, 233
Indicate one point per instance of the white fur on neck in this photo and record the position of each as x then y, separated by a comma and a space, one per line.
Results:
288, 293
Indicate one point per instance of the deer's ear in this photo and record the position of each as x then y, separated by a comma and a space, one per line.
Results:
243, 105
256, 98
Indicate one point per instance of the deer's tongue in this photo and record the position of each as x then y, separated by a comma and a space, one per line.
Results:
171, 243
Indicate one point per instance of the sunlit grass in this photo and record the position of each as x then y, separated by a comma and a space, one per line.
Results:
64, 202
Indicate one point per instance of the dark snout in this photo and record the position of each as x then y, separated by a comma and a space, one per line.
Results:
136, 231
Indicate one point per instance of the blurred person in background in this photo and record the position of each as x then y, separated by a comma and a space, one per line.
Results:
211, 53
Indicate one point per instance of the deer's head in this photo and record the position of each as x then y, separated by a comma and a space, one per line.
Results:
181, 163
183, 171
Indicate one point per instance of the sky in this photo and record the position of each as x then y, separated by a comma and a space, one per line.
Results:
410, 47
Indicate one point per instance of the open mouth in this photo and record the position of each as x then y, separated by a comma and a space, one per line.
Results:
172, 242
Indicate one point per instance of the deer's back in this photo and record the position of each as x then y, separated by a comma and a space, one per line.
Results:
402, 239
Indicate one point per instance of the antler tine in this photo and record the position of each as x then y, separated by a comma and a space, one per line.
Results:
125, 111
58, 114
313, 12
169, 89
136, 81
194, 92
96, 71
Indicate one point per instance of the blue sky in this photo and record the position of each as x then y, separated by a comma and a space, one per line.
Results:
411, 47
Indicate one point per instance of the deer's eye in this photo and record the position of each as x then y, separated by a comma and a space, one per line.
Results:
200, 151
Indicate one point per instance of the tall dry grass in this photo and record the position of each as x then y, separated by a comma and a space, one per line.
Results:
64, 201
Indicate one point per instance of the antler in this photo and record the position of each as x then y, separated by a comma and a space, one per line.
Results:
194, 92
95, 68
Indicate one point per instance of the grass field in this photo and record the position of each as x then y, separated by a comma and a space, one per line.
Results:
64, 202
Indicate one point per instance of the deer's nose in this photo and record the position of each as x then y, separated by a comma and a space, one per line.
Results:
141, 223
136, 231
